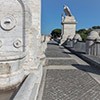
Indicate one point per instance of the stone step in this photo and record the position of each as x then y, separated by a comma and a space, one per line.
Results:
60, 61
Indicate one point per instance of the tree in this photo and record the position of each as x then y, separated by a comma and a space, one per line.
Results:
84, 33
96, 27
56, 33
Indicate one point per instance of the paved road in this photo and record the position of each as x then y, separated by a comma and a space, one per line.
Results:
67, 77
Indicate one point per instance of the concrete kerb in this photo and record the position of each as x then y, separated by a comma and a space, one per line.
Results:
28, 90
42, 85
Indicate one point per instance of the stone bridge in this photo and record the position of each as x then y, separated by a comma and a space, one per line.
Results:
68, 77
34, 68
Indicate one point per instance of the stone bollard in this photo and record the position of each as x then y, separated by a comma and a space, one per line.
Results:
77, 38
91, 43
97, 47
12, 43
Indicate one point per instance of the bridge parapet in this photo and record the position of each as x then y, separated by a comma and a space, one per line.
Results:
20, 42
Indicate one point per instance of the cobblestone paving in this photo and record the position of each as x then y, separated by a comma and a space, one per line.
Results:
70, 85
61, 62
55, 51
56, 54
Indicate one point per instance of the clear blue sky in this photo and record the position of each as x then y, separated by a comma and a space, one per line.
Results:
86, 12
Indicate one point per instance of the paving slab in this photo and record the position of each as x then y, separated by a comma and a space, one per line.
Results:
56, 51
70, 85
61, 62
56, 54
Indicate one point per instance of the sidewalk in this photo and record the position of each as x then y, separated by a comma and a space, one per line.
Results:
67, 77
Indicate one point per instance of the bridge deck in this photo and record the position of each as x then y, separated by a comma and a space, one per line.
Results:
67, 77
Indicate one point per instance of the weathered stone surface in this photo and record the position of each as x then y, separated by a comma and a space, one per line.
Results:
93, 43
68, 28
12, 26
77, 37
12, 37
20, 47
25, 92
20, 41
34, 35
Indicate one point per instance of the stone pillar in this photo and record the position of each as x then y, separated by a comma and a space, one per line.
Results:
20, 41
33, 62
77, 37
97, 47
12, 43
68, 28
91, 47
34, 35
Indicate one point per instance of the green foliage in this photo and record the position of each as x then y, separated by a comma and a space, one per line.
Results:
84, 32
96, 27
56, 33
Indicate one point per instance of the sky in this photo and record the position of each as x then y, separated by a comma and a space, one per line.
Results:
86, 13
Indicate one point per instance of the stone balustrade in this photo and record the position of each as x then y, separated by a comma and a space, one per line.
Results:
90, 47
92, 43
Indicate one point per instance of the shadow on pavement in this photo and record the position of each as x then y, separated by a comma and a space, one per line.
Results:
87, 68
